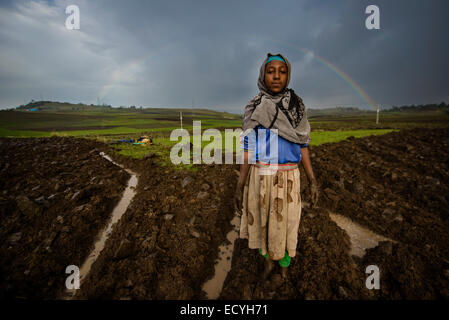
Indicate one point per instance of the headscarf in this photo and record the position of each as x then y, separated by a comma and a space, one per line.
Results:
284, 111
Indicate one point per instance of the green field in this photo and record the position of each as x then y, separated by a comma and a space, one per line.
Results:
116, 122
111, 124
163, 145
125, 122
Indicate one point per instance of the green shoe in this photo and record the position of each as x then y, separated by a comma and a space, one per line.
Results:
285, 261
266, 254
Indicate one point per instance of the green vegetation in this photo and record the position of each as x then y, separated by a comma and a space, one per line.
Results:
162, 145
108, 124
113, 122
420, 108
161, 152
55, 118
318, 138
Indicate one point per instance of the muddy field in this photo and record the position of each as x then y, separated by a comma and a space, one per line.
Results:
396, 185
55, 195
166, 244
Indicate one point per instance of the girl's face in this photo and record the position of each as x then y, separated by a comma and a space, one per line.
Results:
276, 74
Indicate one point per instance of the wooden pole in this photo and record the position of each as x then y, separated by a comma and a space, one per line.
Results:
377, 117
180, 116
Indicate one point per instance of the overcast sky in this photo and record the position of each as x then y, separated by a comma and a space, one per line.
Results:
175, 53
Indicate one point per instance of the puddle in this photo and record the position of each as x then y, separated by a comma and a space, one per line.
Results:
361, 238
223, 266
117, 213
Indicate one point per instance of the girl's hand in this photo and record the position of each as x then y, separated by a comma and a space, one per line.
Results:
314, 193
238, 198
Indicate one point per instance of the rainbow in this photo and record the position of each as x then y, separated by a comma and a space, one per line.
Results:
121, 72
340, 73
345, 77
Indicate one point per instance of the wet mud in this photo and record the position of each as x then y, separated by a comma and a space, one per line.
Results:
167, 243
55, 195
396, 186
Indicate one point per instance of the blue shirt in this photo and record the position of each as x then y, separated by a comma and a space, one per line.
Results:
261, 139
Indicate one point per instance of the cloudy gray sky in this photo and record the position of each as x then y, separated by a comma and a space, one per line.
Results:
170, 53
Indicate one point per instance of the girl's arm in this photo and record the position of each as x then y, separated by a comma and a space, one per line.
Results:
307, 164
244, 169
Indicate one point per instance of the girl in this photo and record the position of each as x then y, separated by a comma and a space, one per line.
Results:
268, 190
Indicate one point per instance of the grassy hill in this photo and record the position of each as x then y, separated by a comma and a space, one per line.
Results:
51, 106
43, 118
62, 118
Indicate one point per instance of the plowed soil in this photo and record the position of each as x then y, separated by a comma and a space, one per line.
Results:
166, 243
55, 196
396, 185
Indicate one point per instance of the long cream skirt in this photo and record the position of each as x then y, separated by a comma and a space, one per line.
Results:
272, 210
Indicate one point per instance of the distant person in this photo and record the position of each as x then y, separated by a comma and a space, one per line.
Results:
270, 204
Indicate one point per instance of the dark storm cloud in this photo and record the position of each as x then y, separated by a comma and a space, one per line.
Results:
168, 53
405, 62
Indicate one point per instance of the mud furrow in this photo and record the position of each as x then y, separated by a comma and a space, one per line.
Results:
402, 197
55, 196
166, 244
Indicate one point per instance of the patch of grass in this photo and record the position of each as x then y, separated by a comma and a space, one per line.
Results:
131, 150
317, 138
7, 133
162, 145
161, 151
112, 121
